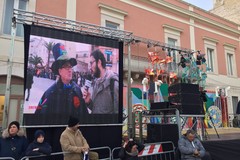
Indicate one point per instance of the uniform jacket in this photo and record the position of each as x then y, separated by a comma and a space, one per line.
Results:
105, 99
44, 149
187, 149
62, 99
72, 142
14, 147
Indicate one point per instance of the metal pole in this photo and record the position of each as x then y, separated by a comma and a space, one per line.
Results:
130, 127
140, 127
9, 75
133, 125
178, 119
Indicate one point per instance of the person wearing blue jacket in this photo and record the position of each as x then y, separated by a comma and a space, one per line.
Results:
13, 143
190, 147
39, 146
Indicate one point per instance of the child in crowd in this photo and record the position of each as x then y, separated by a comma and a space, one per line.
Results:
39, 146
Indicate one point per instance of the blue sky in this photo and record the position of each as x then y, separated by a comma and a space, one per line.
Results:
204, 4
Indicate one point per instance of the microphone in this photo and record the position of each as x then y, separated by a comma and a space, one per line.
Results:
88, 81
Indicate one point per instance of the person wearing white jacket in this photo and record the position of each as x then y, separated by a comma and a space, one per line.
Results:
156, 92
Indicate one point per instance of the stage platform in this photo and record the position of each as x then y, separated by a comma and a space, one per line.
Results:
224, 133
226, 147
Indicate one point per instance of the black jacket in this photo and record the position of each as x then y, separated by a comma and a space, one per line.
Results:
123, 155
60, 102
14, 147
44, 149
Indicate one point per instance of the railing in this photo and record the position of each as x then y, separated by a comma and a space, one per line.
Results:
7, 158
115, 152
52, 154
152, 151
104, 148
163, 114
108, 157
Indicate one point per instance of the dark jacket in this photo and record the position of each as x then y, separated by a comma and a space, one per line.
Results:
44, 149
14, 147
187, 149
123, 154
62, 100
235, 122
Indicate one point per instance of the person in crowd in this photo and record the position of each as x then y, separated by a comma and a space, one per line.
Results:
157, 83
190, 147
29, 82
64, 96
151, 88
145, 86
73, 142
13, 143
105, 88
130, 150
235, 121
38, 146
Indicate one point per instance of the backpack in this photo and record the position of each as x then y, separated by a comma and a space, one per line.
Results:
112, 80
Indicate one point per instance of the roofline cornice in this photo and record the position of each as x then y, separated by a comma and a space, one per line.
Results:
195, 15
104, 6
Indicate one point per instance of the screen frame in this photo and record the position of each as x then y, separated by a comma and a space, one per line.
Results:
80, 38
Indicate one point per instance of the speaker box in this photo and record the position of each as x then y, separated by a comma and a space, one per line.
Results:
162, 133
185, 98
184, 88
189, 109
159, 105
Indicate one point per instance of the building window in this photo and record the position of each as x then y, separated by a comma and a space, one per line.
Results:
172, 38
112, 17
8, 14
234, 104
230, 64
230, 59
210, 58
172, 42
210, 46
112, 25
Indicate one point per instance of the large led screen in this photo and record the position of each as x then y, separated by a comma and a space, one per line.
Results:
71, 74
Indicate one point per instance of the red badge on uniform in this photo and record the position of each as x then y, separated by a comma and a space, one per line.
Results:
76, 102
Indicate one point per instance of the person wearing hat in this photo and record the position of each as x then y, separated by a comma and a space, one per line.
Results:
39, 146
73, 142
130, 150
13, 143
64, 97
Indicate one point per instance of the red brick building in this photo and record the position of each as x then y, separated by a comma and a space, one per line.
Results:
170, 21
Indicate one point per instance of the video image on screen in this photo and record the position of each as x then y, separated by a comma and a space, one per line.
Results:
71, 78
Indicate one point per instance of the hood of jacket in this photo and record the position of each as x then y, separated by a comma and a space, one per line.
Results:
6, 134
